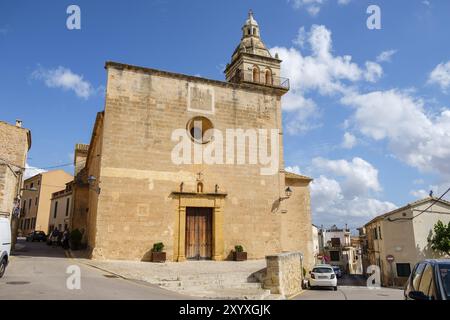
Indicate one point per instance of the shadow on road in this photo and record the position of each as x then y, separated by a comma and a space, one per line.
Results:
352, 280
26, 249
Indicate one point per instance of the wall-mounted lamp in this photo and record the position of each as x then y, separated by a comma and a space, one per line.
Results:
288, 193
93, 185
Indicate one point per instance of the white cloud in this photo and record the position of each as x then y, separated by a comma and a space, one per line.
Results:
331, 206
313, 7
373, 71
65, 79
302, 37
360, 177
349, 200
437, 189
349, 141
294, 169
320, 72
415, 137
32, 171
441, 76
386, 56
420, 194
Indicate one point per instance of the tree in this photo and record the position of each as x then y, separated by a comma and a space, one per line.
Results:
441, 238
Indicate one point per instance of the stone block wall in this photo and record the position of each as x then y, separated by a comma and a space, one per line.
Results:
14, 144
284, 273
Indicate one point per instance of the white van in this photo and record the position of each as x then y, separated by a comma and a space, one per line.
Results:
5, 244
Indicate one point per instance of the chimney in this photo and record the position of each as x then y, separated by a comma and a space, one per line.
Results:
19, 123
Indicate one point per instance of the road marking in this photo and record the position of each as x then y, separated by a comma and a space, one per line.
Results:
296, 295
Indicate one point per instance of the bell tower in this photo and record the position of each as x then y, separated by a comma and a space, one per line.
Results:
251, 62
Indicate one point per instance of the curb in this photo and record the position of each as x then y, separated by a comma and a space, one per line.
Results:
69, 254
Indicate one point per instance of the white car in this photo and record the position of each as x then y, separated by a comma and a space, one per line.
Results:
323, 276
5, 244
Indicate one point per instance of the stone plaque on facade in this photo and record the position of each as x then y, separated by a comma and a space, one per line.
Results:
201, 98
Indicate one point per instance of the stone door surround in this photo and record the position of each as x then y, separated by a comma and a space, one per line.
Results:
215, 201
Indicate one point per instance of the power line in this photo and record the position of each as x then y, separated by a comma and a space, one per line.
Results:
423, 211
11, 164
57, 166
43, 168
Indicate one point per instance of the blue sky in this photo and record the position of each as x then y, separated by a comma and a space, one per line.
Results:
391, 109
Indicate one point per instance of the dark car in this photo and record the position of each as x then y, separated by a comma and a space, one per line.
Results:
430, 280
337, 271
37, 236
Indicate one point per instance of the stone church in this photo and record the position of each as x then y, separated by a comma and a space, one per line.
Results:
149, 173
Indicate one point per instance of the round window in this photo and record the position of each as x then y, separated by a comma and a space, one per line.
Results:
200, 129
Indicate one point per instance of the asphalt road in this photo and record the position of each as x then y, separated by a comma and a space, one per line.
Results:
351, 288
39, 272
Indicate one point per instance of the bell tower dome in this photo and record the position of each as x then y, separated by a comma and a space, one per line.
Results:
252, 62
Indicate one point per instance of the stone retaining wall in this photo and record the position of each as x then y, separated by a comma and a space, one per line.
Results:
284, 273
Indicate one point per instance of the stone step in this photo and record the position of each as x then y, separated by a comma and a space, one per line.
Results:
217, 282
170, 284
219, 276
275, 297
230, 294
249, 286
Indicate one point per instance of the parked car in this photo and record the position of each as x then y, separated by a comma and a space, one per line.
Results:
37, 236
5, 244
323, 276
337, 270
430, 280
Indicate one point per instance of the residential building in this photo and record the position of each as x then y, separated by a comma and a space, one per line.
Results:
61, 208
139, 195
356, 256
337, 248
36, 200
15, 142
316, 247
397, 240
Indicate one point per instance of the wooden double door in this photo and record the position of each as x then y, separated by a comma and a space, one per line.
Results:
199, 233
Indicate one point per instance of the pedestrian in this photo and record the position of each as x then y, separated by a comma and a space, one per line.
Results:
65, 239
55, 236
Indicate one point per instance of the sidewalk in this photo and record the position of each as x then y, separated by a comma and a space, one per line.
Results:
207, 279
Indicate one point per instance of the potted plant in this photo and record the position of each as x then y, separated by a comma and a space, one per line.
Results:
157, 253
75, 239
239, 254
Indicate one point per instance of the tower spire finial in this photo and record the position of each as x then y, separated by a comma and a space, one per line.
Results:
250, 13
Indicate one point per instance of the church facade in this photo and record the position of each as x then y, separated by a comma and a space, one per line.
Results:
194, 163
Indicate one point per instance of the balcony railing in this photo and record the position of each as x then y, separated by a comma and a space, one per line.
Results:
262, 79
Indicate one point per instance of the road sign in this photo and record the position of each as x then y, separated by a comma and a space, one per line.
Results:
390, 258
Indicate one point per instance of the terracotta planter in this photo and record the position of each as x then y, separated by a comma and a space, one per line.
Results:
158, 257
240, 256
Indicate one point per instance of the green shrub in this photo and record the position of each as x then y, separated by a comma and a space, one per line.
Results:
239, 248
158, 247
